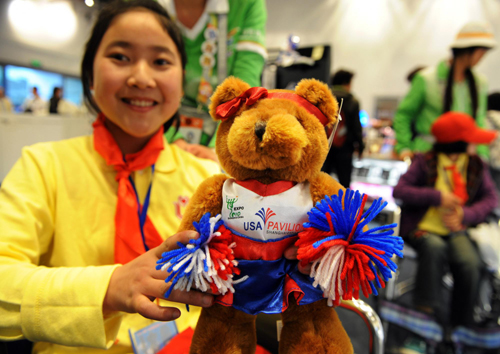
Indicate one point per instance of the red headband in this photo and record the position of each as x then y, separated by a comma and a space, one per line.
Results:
252, 95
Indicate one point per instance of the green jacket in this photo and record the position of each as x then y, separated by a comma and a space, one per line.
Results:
424, 103
245, 47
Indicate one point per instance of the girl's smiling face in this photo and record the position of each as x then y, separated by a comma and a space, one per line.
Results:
138, 74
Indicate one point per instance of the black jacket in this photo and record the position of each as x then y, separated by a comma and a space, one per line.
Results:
350, 113
53, 103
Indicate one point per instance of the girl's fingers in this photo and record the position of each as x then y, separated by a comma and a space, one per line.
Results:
192, 297
305, 269
151, 310
158, 289
291, 253
169, 245
171, 242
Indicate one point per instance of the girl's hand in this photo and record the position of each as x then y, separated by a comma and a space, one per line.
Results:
406, 155
203, 152
197, 150
450, 200
291, 254
453, 219
134, 286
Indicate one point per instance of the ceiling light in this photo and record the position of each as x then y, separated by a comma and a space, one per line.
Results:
42, 23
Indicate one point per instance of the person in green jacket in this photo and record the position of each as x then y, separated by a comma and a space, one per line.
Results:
246, 52
452, 85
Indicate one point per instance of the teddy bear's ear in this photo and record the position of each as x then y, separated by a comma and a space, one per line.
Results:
230, 88
319, 95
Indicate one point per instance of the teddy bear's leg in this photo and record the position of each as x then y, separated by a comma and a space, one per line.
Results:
313, 329
224, 330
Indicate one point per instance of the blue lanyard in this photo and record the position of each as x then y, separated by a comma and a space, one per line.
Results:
142, 213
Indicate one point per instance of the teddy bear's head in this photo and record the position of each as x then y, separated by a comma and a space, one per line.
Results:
273, 135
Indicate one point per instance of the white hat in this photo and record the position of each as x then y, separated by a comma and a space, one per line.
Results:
475, 34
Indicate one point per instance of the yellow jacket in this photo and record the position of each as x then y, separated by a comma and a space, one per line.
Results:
57, 208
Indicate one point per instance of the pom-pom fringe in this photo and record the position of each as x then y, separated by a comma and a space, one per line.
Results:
344, 257
205, 263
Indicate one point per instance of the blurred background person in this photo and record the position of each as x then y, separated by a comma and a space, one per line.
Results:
414, 72
493, 122
200, 25
35, 104
58, 105
349, 135
54, 100
5, 102
451, 85
445, 191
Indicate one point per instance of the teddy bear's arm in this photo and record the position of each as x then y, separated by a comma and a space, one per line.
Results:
207, 198
323, 184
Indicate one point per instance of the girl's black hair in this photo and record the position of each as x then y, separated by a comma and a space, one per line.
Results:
448, 93
104, 19
456, 147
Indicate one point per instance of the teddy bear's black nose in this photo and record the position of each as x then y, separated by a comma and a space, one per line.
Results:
260, 129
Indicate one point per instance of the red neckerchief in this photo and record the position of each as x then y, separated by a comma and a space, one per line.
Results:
459, 186
128, 237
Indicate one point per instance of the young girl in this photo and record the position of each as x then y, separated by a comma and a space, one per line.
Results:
83, 220
452, 85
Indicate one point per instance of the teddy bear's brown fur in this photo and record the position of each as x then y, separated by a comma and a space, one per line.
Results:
291, 146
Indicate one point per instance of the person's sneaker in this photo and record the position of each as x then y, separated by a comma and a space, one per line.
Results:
413, 345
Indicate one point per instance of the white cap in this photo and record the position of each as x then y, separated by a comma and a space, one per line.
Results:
475, 34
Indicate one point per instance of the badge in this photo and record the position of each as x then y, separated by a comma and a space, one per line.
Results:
211, 33
205, 90
207, 61
209, 47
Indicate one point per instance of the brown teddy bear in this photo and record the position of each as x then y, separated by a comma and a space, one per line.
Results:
272, 145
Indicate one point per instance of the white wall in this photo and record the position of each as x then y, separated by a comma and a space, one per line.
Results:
59, 57
20, 130
383, 40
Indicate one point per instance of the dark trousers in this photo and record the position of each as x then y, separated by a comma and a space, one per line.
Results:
339, 161
436, 255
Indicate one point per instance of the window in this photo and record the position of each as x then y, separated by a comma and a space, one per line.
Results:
19, 81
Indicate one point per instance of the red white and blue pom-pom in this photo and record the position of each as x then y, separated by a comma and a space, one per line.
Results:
205, 263
345, 258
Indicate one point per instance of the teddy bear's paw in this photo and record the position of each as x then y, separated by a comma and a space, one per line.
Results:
346, 258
